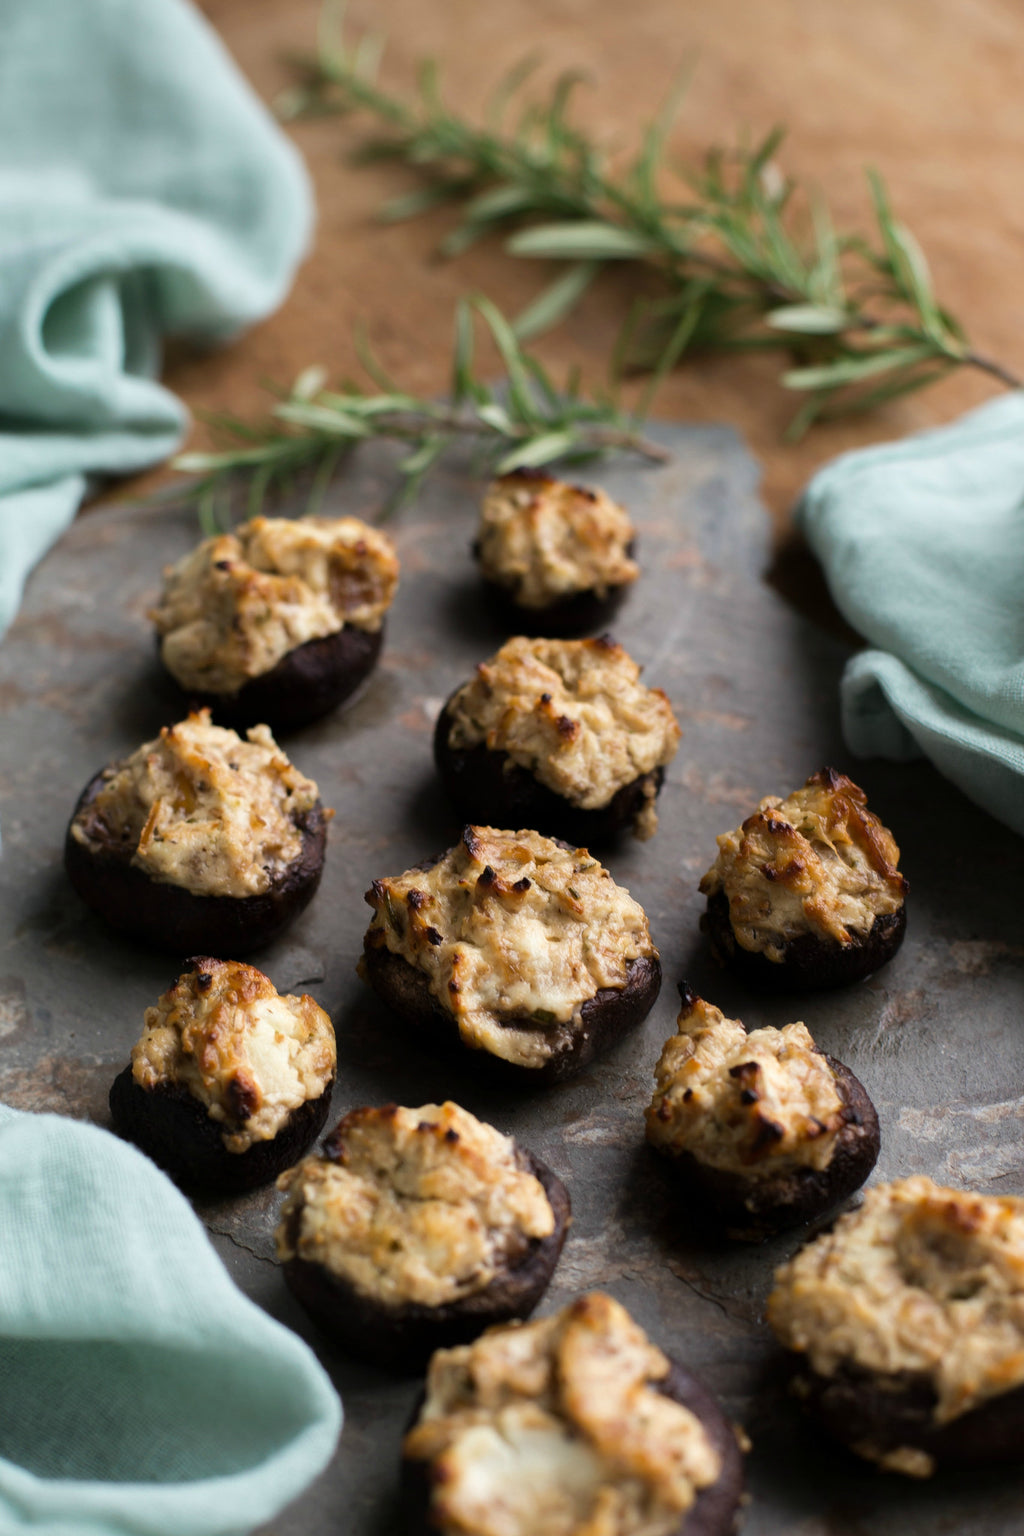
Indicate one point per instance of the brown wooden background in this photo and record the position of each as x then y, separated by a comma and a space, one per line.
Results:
929, 91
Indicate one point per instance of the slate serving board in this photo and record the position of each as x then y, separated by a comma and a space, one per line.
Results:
936, 1037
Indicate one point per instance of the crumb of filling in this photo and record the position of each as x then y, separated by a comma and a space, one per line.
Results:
239, 602
414, 1206
250, 1056
818, 862
514, 933
556, 1428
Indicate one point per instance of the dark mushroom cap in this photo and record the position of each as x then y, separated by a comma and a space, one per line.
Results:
488, 788
605, 1019
752, 1209
305, 684
895, 1318
811, 962
889, 1411
575, 508
402, 1337
173, 1128
714, 1511
170, 917
582, 613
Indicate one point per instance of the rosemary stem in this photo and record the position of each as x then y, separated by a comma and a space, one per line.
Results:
729, 241
993, 369
409, 427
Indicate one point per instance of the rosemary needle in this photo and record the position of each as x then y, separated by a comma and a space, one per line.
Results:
525, 422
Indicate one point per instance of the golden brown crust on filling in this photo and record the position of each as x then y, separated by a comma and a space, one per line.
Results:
422, 1206
509, 925
753, 1104
818, 862
556, 1428
250, 1056
239, 602
572, 712
202, 808
545, 540
920, 1279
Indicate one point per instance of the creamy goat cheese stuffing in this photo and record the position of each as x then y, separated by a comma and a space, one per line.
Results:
201, 808
545, 540
752, 1104
817, 862
573, 713
919, 1279
557, 1428
510, 926
250, 1056
422, 1206
239, 602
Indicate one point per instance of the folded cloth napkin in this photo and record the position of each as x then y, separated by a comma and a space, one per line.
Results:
141, 1394
922, 542
144, 190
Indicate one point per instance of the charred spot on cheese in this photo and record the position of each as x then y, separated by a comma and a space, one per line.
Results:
807, 893
559, 555
229, 1082
576, 1422
417, 1228
516, 946
763, 1130
278, 621
907, 1324
199, 839
560, 735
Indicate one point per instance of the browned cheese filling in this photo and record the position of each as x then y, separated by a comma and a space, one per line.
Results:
920, 1279
241, 601
422, 1206
248, 1055
752, 1104
545, 540
514, 934
818, 862
201, 808
574, 714
557, 1428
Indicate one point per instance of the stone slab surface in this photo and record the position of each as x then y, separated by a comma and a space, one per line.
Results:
936, 1037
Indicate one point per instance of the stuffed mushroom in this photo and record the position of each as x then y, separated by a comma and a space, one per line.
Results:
576, 1422
763, 1131
560, 735
906, 1321
279, 621
517, 947
229, 1082
417, 1228
199, 840
558, 557
806, 894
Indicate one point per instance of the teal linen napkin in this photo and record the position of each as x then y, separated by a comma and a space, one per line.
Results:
141, 1394
922, 542
144, 191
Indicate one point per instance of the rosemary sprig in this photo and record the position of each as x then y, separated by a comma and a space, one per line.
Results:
741, 266
526, 422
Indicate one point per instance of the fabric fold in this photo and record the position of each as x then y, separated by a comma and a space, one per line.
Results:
143, 1394
922, 543
144, 192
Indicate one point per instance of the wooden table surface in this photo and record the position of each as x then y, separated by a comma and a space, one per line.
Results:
928, 91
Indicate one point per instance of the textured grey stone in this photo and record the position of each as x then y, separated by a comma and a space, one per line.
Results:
935, 1037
